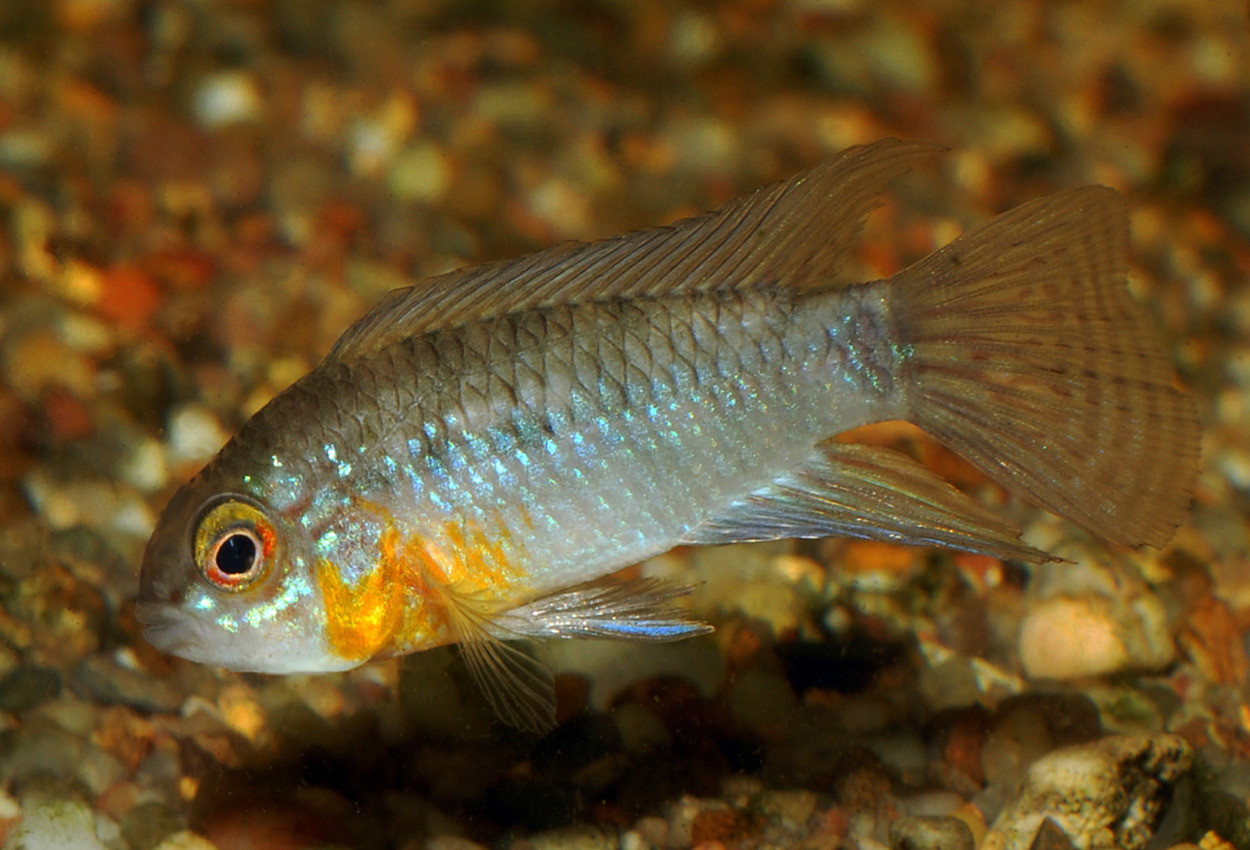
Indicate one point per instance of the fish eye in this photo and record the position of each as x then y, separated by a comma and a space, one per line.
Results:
236, 553
234, 544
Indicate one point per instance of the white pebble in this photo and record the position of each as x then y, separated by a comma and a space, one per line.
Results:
146, 468
59, 825
132, 516
229, 97
194, 434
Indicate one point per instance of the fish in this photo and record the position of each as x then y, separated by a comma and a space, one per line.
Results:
478, 459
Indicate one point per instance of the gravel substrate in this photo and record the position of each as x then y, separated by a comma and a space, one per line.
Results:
198, 196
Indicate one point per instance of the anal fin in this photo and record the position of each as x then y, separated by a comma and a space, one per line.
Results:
609, 607
848, 490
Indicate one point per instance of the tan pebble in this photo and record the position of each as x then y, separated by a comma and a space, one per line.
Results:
421, 172
1213, 841
10, 814
39, 361
241, 712
975, 818
1066, 638
562, 206
652, 831
1014, 742
186, 840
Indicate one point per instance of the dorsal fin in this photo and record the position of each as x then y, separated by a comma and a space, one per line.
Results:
794, 234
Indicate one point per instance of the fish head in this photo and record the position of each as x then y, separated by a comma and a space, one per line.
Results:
227, 580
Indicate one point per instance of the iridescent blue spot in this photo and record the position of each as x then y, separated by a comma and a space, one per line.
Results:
327, 543
505, 476
456, 456
478, 446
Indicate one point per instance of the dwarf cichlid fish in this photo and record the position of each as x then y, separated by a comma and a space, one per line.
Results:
477, 456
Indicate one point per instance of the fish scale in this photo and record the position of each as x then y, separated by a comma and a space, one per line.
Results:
478, 457
576, 406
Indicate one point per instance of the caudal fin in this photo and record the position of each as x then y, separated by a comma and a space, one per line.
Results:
1029, 357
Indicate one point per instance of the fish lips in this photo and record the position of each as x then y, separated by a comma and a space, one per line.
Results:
170, 629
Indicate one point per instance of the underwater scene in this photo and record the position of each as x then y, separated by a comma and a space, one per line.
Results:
639, 424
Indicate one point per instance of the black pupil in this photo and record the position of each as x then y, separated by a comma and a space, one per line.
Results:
236, 555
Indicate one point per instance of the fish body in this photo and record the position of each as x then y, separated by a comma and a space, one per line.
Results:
478, 456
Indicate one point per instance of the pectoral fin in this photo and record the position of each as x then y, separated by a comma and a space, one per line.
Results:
850, 490
518, 687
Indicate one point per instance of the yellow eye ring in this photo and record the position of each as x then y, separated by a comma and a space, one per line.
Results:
234, 544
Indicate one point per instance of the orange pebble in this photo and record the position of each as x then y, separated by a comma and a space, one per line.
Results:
130, 296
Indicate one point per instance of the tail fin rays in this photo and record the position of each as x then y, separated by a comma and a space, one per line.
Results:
1030, 358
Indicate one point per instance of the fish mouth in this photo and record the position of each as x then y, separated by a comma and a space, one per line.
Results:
167, 627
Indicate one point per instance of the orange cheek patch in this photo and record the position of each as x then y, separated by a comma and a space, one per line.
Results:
401, 604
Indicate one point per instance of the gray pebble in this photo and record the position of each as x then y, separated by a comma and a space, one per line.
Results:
113, 684
26, 687
148, 824
46, 750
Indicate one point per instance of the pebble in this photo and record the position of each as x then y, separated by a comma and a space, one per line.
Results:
570, 838
194, 434
148, 824
911, 832
26, 687
98, 505
1097, 618
421, 172
1105, 795
1066, 638
42, 750
186, 840
113, 684
39, 361
10, 815
56, 825
1015, 741
228, 97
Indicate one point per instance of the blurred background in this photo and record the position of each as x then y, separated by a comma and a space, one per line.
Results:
198, 196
